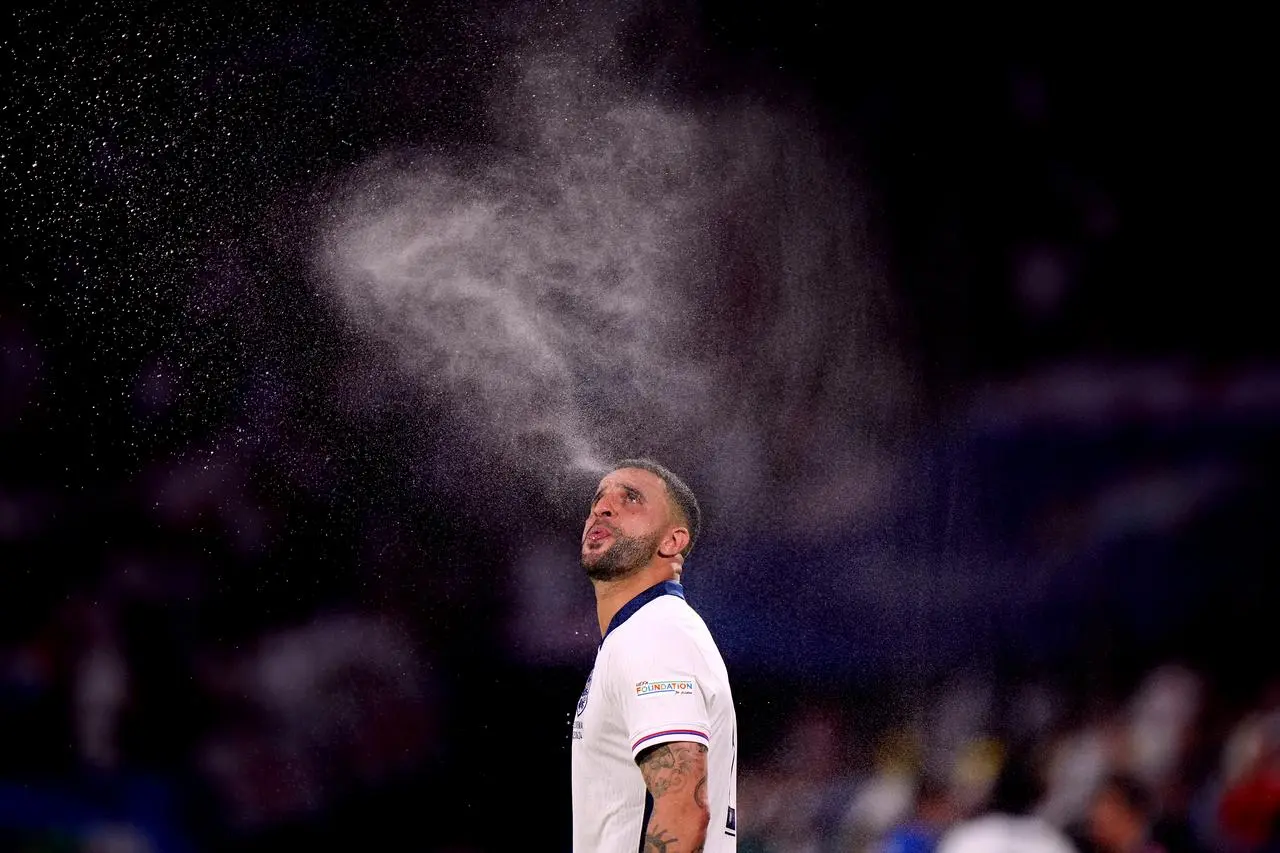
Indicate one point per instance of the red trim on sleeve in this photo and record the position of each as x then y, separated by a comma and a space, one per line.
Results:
694, 732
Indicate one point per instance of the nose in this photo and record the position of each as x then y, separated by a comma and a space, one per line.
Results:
603, 508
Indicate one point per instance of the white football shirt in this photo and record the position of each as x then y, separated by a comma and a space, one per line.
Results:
658, 678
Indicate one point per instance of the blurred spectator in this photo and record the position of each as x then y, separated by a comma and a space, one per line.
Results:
100, 687
932, 813
310, 713
884, 799
1161, 714
1008, 824
1121, 817
795, 802
1249, 810
1079, 761
96, 799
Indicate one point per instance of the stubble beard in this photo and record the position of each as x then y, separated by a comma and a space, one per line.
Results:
626, 556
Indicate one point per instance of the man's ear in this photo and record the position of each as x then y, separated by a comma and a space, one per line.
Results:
674, 542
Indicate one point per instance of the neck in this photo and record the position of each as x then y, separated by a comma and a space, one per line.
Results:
612, 595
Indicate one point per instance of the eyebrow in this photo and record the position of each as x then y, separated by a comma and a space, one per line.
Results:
627, 487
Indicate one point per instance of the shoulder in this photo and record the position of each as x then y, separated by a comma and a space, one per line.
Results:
665, 635
665, 625
669, 612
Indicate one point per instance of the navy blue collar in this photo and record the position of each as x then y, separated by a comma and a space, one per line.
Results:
629, 609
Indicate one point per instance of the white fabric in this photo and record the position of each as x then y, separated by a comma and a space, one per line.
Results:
658, 678
999, 833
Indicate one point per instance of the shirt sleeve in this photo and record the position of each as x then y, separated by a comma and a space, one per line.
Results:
661, 693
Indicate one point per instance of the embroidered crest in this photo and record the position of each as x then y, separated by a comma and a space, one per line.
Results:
582, 700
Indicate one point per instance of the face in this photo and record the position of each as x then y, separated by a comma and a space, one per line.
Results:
630, 518
1108, 821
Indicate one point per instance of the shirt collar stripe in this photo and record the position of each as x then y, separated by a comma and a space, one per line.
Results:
629, 609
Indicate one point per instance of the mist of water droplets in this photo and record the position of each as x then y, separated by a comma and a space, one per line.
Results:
629, 276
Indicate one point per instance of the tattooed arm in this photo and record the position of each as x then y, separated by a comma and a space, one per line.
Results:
676, 776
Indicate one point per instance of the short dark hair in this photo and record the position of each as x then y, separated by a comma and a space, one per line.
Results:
1018, 786
681, 495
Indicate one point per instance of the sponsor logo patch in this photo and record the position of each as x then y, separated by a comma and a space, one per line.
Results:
678, 686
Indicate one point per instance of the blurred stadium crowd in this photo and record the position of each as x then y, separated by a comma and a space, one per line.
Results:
1172, 765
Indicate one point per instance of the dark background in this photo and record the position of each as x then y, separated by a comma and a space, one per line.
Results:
1072, 219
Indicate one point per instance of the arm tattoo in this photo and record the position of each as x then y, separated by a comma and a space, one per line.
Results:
661, 841
670, 767
680, 770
